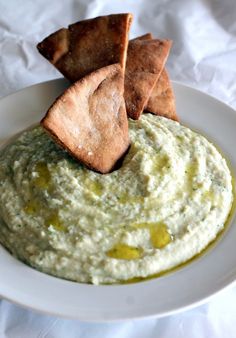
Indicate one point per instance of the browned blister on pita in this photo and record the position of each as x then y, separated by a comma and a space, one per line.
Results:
88, 45
90, 121
145, 62
162, 100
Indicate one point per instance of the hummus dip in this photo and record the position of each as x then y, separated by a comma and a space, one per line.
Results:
164, 205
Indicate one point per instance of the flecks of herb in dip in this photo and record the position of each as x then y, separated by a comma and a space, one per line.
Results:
166, 203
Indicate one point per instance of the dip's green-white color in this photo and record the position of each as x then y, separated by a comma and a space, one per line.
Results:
166, 203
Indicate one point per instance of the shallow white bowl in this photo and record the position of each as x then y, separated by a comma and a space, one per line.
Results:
187, 287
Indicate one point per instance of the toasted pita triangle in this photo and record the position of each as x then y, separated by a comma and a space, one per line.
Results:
162, 100
90, 121
88, 45
145, 62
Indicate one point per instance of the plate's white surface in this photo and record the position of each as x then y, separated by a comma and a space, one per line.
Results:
186, 287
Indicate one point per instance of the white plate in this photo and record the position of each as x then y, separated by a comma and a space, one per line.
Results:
179, 290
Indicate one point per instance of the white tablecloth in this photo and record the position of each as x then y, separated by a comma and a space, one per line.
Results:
203, 56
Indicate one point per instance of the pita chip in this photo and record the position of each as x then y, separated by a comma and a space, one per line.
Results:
145, 62
89, 120
88, 45
162, 100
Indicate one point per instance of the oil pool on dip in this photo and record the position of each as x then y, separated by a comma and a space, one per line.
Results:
163, 206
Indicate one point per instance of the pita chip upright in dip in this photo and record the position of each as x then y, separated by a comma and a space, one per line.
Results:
145, 62
90, 120
161, 101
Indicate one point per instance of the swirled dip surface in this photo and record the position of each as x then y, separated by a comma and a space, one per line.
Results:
166, 203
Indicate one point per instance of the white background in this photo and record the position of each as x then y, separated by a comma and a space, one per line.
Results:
203, 56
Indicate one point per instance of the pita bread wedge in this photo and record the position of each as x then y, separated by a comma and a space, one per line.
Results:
88, 45
162, 100
90, 121
145, 62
